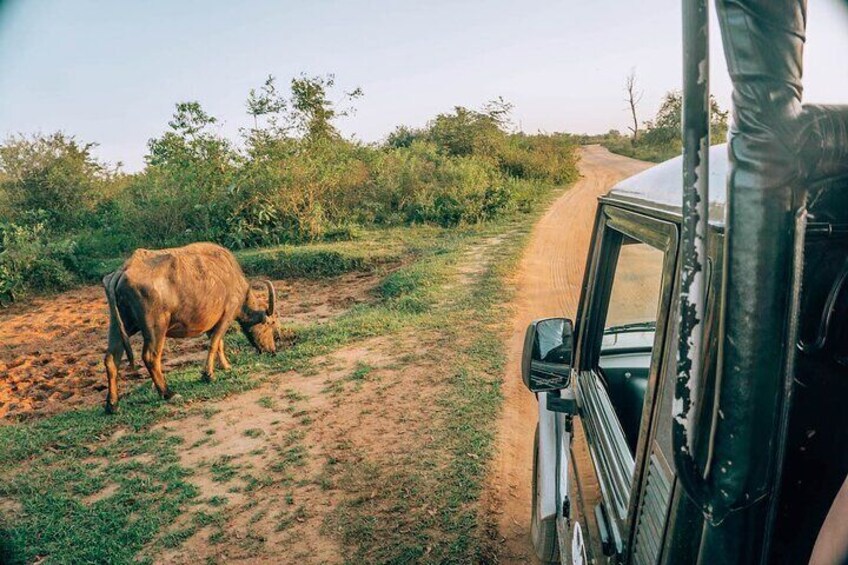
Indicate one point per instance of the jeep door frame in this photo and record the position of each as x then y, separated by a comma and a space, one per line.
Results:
619, 474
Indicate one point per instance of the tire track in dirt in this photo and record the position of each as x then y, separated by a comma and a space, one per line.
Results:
547, 284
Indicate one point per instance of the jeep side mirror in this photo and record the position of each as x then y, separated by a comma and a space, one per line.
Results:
546, 362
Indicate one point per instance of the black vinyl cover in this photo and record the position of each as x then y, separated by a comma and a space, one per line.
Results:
776, 147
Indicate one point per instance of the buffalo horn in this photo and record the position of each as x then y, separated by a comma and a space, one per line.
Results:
272, 298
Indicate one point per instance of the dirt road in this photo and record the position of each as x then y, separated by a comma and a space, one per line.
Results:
548, 284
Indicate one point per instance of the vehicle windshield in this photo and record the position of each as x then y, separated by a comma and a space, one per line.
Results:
634, 327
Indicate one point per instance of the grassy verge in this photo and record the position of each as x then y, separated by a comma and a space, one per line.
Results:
427, 509
642, 151
81, 487
369, 250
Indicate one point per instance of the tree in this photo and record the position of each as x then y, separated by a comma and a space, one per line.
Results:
265, 103
51, 174
500, 112
312, 111
666, 126
465, 132
402, 137
633, 99
190, 171
718, 122
190, 141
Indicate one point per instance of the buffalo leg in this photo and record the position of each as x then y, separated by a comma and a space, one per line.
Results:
216, 342
112, 360
222, 357
152, 355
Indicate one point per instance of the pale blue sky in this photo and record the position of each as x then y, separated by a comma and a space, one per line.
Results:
111, 71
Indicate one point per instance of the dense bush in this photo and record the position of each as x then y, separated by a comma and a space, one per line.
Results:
54, 175
30, 260
290, 178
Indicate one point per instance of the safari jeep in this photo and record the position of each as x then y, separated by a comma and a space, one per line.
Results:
696, 409
609, 377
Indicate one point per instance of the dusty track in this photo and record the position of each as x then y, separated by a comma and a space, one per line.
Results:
548, 284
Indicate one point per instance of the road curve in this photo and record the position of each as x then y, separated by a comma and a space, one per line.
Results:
548, 284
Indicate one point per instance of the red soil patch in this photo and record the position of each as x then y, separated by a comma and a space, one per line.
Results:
51, 348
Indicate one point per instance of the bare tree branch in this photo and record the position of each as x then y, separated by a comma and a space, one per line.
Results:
633, 99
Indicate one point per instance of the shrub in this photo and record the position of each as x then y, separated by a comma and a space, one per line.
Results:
54, 175
467, 132
31, 261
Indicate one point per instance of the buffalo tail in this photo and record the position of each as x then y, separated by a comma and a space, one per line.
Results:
110, 283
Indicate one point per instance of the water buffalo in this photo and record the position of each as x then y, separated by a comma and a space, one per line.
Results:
181, 292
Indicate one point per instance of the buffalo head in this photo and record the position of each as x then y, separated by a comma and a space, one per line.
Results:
260, 324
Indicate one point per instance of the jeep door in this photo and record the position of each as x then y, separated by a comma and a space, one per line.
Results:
622, 351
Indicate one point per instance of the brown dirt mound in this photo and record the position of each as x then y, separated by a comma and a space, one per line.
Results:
51, 348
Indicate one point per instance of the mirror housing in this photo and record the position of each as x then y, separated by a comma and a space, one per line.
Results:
548, 353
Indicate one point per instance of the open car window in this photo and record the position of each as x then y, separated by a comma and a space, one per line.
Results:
629, 329
635, 293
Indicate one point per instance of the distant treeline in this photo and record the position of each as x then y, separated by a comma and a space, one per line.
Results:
290, 178
660, 139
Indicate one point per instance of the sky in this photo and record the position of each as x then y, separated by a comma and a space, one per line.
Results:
111, 71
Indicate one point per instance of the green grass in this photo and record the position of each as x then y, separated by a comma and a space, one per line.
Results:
318, 260
369, 250
61, 516
642, 151
223, 471
361, 372
427, 506
267, 402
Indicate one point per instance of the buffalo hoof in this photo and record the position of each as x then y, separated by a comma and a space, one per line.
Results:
111, 408
168, 394
207, 377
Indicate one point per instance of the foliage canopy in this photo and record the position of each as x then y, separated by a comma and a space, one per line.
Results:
291, 177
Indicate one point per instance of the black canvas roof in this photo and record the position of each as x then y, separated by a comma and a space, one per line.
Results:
661, 187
